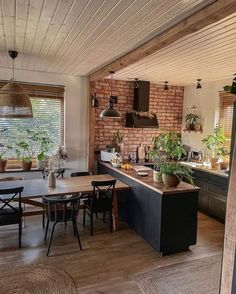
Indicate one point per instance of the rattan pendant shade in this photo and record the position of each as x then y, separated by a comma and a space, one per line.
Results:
14, 101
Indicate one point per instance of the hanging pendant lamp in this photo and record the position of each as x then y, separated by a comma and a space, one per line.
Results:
110, 112
198, 86
14, 101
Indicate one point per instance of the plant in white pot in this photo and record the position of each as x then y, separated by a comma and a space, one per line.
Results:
214, 144
172, 174
4, 147
120, 141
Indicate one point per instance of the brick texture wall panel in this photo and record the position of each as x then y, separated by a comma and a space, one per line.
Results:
167, 105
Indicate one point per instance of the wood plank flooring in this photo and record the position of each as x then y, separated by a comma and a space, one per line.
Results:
108, 261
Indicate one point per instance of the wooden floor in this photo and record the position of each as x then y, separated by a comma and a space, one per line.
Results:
108, 261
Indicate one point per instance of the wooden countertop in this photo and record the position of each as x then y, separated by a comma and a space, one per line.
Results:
205, 169
149, 183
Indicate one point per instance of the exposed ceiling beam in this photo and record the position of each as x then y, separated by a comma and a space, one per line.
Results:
212, 13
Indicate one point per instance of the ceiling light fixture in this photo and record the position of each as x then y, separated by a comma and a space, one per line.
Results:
110, 112
14, 101
199, 86
166, 88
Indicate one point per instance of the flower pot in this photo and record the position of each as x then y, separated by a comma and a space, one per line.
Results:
156, 177
26, 165
170, 181
121, 147
214, 163
191, 127
224, 165
3, 165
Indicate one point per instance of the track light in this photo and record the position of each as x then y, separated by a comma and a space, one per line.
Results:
166, 88
199, 86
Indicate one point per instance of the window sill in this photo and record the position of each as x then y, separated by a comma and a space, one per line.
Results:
20, 170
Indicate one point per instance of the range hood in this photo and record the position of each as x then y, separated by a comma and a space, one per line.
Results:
141, 117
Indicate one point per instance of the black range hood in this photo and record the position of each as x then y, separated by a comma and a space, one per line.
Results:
137, 118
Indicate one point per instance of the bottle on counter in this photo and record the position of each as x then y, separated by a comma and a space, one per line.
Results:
141, 152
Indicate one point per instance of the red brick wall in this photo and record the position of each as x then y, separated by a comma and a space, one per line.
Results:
167, 104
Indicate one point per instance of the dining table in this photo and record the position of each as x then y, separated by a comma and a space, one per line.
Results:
36, 188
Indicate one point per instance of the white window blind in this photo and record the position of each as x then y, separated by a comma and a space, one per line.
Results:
48, 115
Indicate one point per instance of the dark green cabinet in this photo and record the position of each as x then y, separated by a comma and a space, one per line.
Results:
212, 195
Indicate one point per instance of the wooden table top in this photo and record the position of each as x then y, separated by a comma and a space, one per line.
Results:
37, 187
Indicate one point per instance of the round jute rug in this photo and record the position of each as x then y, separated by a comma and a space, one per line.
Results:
36, 279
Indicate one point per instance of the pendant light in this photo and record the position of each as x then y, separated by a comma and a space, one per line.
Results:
199, 86
14, 101
110, 112
166, 88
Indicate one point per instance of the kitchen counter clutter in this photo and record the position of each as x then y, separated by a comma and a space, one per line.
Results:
164, 217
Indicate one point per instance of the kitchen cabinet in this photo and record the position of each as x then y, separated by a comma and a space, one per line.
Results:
212, 195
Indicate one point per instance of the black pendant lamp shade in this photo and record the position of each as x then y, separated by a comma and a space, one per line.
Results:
14, 101
110, 112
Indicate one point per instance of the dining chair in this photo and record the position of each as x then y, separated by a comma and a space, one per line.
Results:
78, 174
9, 213
61, 210
100, 202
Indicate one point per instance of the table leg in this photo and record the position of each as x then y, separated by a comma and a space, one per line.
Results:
115, 213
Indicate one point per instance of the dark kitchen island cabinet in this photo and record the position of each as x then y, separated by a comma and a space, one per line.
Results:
164, 217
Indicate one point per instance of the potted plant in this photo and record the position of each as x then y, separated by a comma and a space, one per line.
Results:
214, 143
224, 162
4, 147
169, 144
173, 172
120, 141
191, 120
34, 143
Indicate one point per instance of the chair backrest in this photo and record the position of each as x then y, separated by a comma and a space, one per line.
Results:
7, 196
104, 189
11, 179
78, 174
61, 210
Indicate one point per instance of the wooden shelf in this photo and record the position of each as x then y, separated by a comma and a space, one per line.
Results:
193, 131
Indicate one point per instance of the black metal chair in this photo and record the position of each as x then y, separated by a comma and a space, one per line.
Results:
10, 214
61, 210
100, 202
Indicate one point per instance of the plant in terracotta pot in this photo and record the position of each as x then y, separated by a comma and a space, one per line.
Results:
191, 120
224, 158
4, 147
172, 174
120, 141
25, 152
214, 143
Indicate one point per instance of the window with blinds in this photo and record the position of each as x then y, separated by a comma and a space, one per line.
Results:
48, 115
226, 114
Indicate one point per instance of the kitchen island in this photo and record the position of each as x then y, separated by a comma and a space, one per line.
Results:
164, 217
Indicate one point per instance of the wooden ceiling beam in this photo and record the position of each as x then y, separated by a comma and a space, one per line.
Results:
206, 16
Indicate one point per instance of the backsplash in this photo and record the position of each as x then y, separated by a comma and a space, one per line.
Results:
167, 104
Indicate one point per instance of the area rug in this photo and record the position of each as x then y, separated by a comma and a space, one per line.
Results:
36, 279
200, 276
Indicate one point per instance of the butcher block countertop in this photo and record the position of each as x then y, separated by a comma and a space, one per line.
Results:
149, 183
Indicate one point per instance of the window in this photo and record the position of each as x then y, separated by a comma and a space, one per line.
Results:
48, 114
226, 114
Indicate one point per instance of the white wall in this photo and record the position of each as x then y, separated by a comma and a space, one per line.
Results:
76, 96
207, 101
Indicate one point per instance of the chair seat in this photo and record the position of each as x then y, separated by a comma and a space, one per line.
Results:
9, 217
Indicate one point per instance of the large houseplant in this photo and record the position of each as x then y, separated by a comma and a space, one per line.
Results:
214, 143
172, 174
33, 143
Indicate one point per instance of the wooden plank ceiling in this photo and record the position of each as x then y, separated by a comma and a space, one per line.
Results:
208, 54
78, 36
